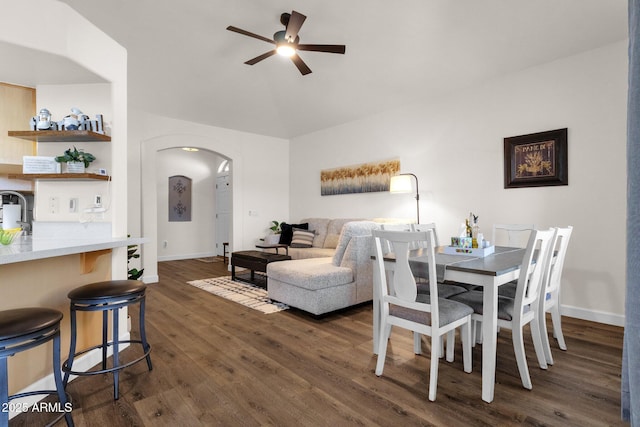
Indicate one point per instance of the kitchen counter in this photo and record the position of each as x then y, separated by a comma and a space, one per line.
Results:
29, 248
40, 272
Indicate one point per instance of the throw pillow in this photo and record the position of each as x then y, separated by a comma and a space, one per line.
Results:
287, 231
302, 238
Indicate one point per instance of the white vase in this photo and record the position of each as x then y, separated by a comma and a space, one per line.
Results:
75, 167
272, 239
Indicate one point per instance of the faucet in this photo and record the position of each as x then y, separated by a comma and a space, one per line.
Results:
25, 222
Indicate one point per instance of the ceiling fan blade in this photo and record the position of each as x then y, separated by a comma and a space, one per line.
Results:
301, 65
330, 48
260, 57
247, 33
295, 22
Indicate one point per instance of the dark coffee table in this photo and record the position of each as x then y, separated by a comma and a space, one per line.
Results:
254, 261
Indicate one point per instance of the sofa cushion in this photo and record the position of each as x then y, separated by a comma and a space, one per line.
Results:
302, 253
302, 238
310, 273
287, 231
320, 226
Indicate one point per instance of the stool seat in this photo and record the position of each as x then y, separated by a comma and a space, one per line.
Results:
22, 329
106, 290
25, 321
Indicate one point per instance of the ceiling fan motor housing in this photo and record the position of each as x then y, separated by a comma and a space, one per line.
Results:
284, 18
279, 37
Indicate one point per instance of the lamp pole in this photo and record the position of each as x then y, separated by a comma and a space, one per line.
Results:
417, 197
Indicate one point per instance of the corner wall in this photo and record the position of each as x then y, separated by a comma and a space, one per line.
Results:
455, 147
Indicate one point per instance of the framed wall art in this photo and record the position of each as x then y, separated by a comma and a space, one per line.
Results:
179, 198
362, 178
536, 160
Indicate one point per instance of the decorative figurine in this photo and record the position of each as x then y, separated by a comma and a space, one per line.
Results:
43, 120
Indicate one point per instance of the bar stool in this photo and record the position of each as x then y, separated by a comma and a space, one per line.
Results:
107, 296
22, 329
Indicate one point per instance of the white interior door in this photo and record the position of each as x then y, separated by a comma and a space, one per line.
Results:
223, 211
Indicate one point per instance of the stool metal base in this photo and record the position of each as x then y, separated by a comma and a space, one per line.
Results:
83, 299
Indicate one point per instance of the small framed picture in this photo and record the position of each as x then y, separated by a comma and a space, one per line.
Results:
536, 160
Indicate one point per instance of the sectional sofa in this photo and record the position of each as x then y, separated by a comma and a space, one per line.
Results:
327, 276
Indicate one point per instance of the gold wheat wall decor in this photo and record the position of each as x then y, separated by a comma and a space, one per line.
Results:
362, 178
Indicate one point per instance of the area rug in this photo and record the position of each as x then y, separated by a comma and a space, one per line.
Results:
240, 292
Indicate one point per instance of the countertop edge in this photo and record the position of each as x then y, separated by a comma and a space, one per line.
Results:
35, 249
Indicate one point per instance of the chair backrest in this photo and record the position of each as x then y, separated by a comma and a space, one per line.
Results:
425, 227
401, 283
532, 272
393, 227
513, 235
556, 262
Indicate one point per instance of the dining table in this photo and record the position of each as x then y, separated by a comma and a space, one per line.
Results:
488, 272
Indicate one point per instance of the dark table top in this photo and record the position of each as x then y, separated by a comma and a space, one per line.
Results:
503, 260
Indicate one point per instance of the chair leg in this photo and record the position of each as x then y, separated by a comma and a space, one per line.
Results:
477, 336
467, 348
385, 331
433, 375
557, 326
544, 336
417, 343
116, 356
72, 347
521, 359
537, 343
57, 375
143, 334
451, 344
4, 391
105, 337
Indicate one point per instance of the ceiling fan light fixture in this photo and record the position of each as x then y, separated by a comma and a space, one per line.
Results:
286, 49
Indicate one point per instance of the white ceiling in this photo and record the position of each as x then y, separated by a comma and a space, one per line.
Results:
183, 63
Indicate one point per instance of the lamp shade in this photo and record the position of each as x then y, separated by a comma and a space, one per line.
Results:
400, 184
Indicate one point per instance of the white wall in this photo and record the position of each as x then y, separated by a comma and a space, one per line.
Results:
455, 147
260, 178
195, 238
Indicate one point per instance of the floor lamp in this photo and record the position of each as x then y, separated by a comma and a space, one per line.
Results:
401, 183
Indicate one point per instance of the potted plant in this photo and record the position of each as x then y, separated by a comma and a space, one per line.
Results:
76, 160
274, 237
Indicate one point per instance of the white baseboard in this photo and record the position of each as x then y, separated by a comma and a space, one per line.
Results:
592, 315
150, 279
81, 364
186, 256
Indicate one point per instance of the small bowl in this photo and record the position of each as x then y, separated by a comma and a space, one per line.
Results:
7, 236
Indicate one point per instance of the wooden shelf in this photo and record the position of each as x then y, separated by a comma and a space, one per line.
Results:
76, 176
59, 135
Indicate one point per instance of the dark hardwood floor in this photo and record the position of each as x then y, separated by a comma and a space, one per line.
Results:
219, 363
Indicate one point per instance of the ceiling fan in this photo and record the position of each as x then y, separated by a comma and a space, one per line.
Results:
287, 42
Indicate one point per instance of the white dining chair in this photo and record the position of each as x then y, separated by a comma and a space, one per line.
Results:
425, 227
420, 272
512, 235
401, 305
550, 292
515, 313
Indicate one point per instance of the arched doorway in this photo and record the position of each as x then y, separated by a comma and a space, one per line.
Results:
150, 149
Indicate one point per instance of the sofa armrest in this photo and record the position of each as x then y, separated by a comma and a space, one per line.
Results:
357, 257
